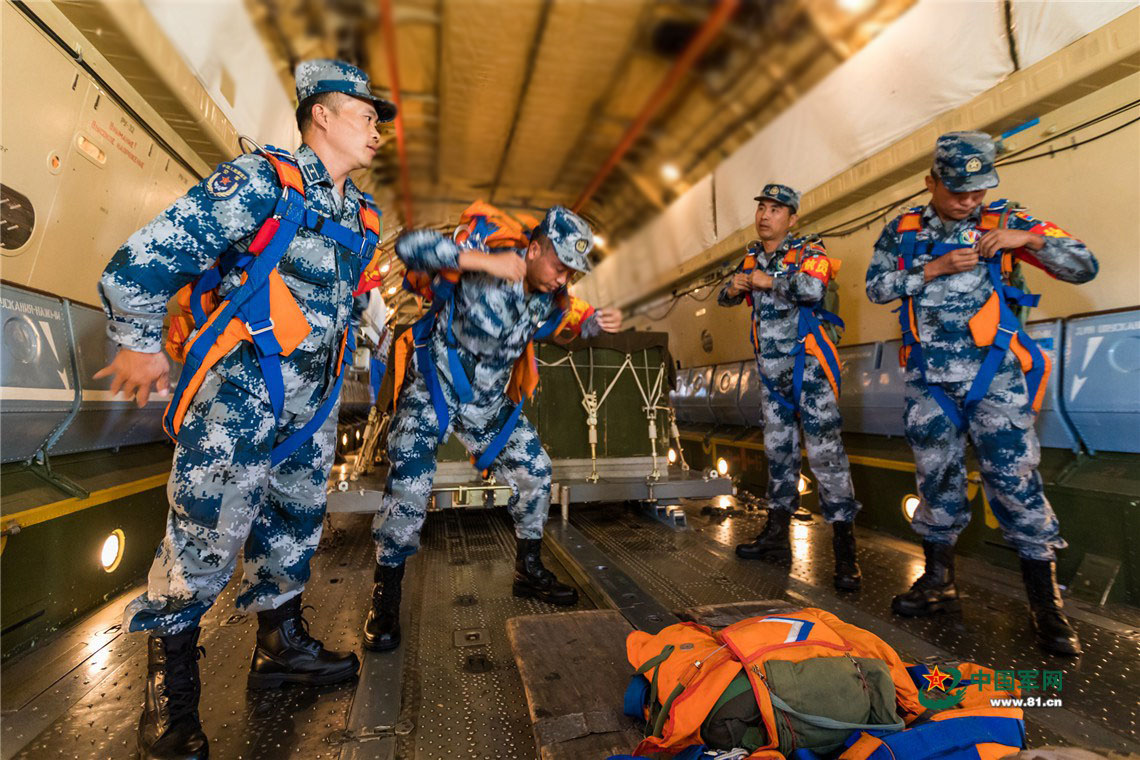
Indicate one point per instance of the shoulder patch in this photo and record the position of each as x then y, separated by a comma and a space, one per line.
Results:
226, 180
818, 267
911, 221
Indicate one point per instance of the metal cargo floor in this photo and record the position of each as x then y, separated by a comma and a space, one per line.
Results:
80, 695
685, 568
460, 694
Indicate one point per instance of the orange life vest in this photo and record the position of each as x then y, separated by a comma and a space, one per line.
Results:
486, 228
260, 309
994, 326
813, 340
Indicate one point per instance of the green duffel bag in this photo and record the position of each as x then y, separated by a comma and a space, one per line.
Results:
818, 703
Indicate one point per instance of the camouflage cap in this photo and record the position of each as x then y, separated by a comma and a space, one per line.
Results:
571, 237
781, 194
964, 161
321, 75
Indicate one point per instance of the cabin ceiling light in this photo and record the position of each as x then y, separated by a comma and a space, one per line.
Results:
670, 173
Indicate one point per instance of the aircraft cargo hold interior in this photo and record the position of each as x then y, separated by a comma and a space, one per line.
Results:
570, 379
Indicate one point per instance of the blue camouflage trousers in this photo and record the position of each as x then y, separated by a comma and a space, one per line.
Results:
226, 499
819, 416
1001, 429
412, 444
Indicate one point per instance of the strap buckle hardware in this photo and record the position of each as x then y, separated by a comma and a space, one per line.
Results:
268, 325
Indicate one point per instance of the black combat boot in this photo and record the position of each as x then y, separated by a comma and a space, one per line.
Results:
774, 543
934, 591
847, 574
169, 728
1054, 632
382, 628
286, 653
535, 581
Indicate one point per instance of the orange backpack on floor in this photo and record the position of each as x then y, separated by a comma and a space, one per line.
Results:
685, 672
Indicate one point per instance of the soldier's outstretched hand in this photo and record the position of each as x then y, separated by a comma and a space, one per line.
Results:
134, 372
609, 319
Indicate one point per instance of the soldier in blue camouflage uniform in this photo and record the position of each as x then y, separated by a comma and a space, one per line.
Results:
225, 496
500, 301
946, 291
777, 292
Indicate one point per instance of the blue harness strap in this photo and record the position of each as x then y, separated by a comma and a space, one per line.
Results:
286, 447
443, 293
250, 302
484, 461
1008, 326
361, 245
459, 379
811, 319
376, 370
951, 739
915, 357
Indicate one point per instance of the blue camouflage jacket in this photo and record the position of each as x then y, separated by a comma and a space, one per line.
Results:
775, 312
225, 210
944, 306
494, 319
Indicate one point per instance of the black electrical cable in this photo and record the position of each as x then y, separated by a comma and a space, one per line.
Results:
672, 305
882, 211
1076, 128
1054, 151
862, 221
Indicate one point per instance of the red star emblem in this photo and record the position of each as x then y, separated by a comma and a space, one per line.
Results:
936, 679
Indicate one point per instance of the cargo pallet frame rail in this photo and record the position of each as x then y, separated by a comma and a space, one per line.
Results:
628, 469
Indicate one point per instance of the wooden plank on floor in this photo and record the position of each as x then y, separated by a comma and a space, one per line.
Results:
575, 672
721, 615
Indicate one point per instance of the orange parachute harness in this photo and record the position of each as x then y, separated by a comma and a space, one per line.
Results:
683, 671
804, 255
485, 228
995, 326
261, 309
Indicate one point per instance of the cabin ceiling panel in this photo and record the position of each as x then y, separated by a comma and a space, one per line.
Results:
485, 47
581, 46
